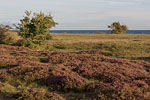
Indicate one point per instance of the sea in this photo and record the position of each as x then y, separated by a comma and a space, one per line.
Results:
98, 31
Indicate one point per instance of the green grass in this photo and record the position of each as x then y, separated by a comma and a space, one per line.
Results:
130, 46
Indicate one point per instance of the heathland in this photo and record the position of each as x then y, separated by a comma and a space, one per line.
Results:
78, 67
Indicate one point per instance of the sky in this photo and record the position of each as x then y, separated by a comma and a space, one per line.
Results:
81, 14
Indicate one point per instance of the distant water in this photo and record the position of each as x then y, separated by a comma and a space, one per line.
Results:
95, 31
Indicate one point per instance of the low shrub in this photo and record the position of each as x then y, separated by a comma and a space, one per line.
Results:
40, 39
43, 37
7, 37
59, 45
87, 75
34, 94
65, 83
116, 91
26, 43
2, 65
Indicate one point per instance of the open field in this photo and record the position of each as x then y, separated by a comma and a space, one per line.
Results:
131, 46
77, 67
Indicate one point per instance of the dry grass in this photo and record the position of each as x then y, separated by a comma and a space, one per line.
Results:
73, 38
131, 46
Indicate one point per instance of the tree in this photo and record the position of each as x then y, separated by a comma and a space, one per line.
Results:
117, 28
39, 23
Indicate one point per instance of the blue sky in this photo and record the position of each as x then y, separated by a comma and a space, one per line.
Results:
81, 14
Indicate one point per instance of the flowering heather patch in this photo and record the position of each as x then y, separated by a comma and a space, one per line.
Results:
33, 94
13, 48
88, 73
118, 91
66, 82
7, 59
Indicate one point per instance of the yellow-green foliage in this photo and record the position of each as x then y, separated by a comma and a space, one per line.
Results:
38, 24
6, 36
25, 43
117, 28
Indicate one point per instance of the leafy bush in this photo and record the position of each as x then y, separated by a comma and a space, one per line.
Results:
40, 39
117, 28
38, 24
6, 37
26, 43
43, 37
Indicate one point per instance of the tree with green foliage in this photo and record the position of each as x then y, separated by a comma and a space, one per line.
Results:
38, 24
117, 28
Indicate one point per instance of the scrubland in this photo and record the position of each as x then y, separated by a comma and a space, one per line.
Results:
77, 67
